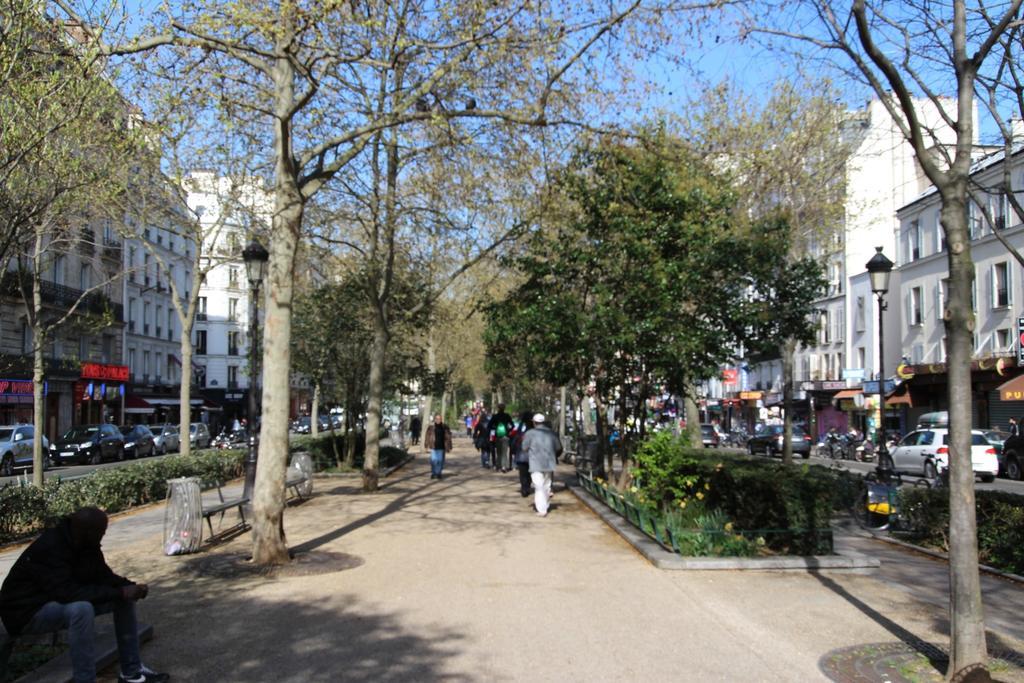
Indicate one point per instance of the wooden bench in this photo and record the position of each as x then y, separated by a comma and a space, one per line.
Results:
295, 481
222, 507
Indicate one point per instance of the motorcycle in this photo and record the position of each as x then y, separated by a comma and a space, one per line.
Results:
230, 439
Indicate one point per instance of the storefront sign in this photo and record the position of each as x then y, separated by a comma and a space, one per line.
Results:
871, 386
751, 395
856, 374
116, 373
730, 376
17, 390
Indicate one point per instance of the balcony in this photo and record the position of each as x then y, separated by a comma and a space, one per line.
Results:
233, 384
61, 296
201, 316
232, 350
112, 249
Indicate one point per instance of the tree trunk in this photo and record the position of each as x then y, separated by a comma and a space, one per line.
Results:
351, 437
692, 434
967, 625
588, 421
561, 412
378, 352
788, 351
604, 452
269, 543
38, 375
314, 417
185, 395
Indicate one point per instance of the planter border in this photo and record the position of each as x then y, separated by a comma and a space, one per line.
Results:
667, 558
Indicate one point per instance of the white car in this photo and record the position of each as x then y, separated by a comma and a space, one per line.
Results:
925, 453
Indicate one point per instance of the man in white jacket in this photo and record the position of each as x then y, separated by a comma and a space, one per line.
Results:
543, 447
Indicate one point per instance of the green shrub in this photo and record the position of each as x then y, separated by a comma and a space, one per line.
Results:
1000, 522
25, 510
322, 452
786, 506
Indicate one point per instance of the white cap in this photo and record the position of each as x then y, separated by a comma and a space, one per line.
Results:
538, 418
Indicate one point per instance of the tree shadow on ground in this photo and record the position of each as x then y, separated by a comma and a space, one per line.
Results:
211, 628
936, 657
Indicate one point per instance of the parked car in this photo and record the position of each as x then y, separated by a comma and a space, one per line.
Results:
709, 436
138, 441
925, 452
302, 425
769, 441
16, 443
199, 435
166, 438
88, 444
1011, 457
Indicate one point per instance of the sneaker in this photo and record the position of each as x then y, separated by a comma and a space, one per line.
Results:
542, 514
144, 676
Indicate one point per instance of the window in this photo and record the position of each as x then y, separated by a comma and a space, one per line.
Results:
233, 339
860, 317
940, 234
131, 363
131, 264
157, 322
941, 290
838, 325
232, 377
27, 346
145, 317
131, 315
1003, 339
83, 277
862, 357
170, 325
233, 310
59, 265
83, 347
825, 331
201, 308
145, 269
108, 348
915, 240
233, 278
170, 369
158, 366
914, 316
1000, 285
999, 211
145, 366
200, 342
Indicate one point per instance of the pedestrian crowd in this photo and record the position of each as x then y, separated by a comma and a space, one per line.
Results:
527, 445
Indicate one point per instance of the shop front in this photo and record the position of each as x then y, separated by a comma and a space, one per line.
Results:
99, 394
16, 400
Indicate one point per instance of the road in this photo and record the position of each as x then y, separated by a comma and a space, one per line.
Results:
73, 471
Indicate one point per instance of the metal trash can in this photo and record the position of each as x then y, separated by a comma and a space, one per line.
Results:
302, 465
588, 458
183, 516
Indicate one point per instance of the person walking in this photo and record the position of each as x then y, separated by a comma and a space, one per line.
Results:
62, 581
438, 441
482, 438
542, 450
415, 425
500, 429
1014, 429
519, 456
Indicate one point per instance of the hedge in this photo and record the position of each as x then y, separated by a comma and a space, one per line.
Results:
786, 509
323, 454
25, 510
1000, 518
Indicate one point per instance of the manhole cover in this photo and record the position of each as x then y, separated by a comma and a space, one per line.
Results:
908, 663
237, 565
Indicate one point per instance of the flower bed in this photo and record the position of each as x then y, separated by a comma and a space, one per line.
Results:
698, 503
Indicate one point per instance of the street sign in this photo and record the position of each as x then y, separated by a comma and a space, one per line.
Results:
871, 386
1020, 340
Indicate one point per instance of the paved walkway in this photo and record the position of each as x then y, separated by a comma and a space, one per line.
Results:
458, 580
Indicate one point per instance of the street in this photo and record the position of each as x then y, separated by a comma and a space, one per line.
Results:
75, 471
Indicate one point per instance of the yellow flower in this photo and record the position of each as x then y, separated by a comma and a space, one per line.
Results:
707, 486
728, 526
700, 496
682, 503
633, 489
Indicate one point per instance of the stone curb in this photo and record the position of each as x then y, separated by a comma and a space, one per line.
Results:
662, 559
58, 669
938, 555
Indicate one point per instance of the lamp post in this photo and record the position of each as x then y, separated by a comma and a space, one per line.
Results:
255, 257
879, 269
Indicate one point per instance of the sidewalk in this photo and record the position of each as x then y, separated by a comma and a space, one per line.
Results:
458, 580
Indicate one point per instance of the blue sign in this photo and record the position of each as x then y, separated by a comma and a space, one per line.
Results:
871, 386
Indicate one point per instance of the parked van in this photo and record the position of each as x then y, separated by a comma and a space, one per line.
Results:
932, 420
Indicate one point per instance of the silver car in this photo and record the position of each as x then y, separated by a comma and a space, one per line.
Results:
16, 448
199, 435
166, 438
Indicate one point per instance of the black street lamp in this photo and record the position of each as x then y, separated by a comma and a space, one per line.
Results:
255, 257
879, 269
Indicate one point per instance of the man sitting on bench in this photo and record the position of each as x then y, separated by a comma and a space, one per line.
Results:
62, 581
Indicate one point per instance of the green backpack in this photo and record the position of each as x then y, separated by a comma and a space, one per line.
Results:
501, 431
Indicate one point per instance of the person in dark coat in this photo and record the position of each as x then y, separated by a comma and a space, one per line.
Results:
439, 442
415, 424
482, 438
521, 458
500, 429
62, 581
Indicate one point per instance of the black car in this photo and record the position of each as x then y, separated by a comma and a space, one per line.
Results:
709, 436
138, 441
88, 444
1011, 457
769, 442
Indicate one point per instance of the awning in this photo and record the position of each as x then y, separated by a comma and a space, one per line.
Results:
1012, 390
173, 401
209, 405
848, 393
137, 405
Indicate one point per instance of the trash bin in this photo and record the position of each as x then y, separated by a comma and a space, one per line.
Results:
588, 457
183, 516
301, 465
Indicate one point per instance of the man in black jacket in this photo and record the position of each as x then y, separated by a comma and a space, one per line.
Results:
63, 581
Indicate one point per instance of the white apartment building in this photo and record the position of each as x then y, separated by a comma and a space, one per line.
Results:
998, 295
230, 211
161, 252
882, 175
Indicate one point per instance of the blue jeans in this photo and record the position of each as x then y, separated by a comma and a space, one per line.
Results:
436, 461
79, 619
